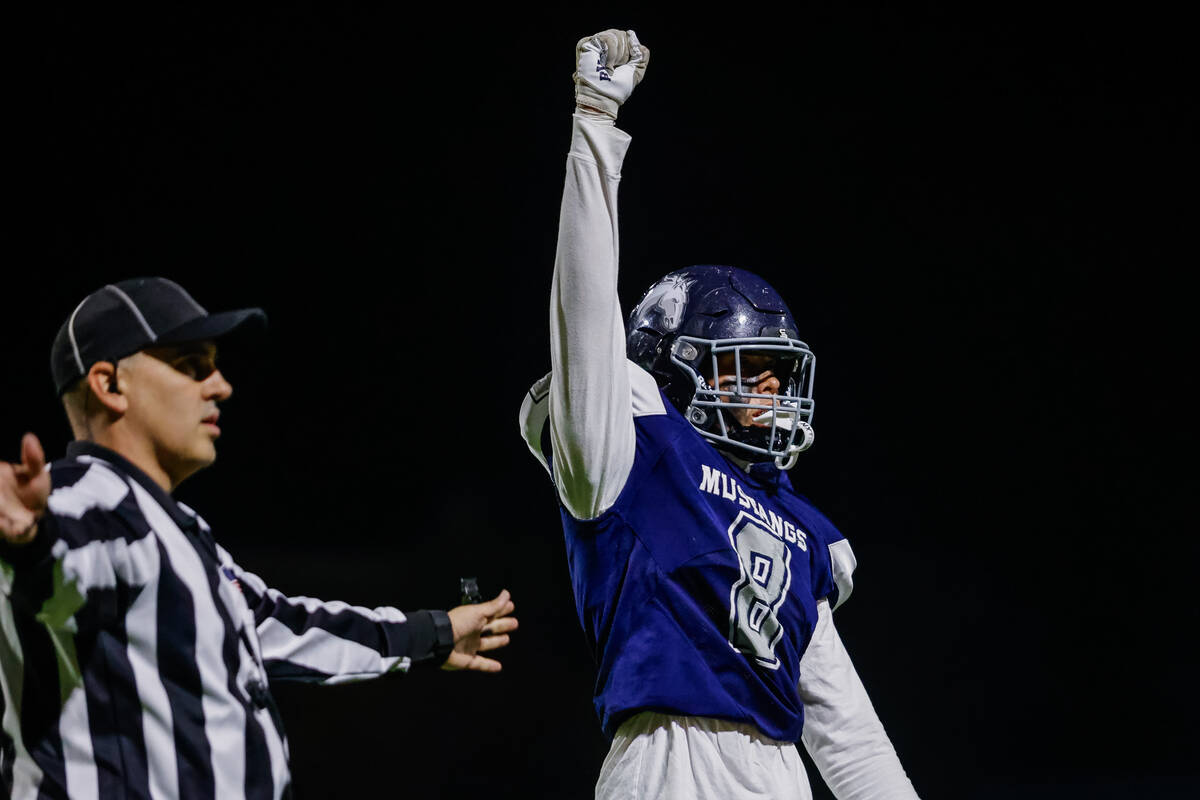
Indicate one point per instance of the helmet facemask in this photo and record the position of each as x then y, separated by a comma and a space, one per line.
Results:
782, 421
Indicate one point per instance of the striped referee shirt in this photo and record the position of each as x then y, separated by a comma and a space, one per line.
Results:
136, 653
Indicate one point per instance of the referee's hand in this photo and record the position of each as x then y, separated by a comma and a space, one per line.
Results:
478, 628
24, 489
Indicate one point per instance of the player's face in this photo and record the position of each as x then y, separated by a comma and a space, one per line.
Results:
172, 395
758, 377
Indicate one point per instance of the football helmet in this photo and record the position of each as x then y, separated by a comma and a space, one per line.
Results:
688, 321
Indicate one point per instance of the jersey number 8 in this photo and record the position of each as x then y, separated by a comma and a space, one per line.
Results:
755, 599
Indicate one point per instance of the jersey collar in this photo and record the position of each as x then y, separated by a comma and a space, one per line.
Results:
763, 474
180, 517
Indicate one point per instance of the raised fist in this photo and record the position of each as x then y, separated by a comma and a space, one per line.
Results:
24, 489
608, 66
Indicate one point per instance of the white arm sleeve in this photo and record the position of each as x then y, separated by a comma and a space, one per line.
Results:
590, 402
842, 732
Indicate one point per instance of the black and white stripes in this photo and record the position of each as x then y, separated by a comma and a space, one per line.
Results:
135, 653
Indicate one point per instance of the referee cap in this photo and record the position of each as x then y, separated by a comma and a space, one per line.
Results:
120, 319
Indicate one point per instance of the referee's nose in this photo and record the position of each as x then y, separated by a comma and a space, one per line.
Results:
216, 387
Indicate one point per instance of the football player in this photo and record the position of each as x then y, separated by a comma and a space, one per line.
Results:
704, 583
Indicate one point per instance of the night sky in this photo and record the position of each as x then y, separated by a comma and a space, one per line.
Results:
977, 221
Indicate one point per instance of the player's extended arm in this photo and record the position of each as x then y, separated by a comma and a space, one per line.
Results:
842, 732
591, 420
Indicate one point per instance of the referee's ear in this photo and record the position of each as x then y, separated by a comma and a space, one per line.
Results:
96, 394
102, 391
103, 381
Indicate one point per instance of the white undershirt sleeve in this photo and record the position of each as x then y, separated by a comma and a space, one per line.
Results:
590, 402
842, 732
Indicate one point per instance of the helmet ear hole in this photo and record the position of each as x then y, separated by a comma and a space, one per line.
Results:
697, 416
686, 350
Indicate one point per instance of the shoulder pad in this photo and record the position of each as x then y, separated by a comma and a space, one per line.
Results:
533, 418
843, 562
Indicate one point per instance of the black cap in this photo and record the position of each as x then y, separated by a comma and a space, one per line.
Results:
122, 318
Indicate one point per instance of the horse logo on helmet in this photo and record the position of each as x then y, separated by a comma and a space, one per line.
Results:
666, 300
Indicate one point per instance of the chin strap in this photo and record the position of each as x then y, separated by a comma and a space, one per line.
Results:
782, 419
794, 451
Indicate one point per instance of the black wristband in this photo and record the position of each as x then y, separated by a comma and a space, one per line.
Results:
444, 631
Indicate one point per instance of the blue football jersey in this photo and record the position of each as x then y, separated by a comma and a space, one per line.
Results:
698, 588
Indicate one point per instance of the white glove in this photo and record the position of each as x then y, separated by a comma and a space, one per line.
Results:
607, 67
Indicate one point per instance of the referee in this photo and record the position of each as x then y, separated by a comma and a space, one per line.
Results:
135, 654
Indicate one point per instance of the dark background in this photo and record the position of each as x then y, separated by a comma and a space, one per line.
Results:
978, 222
